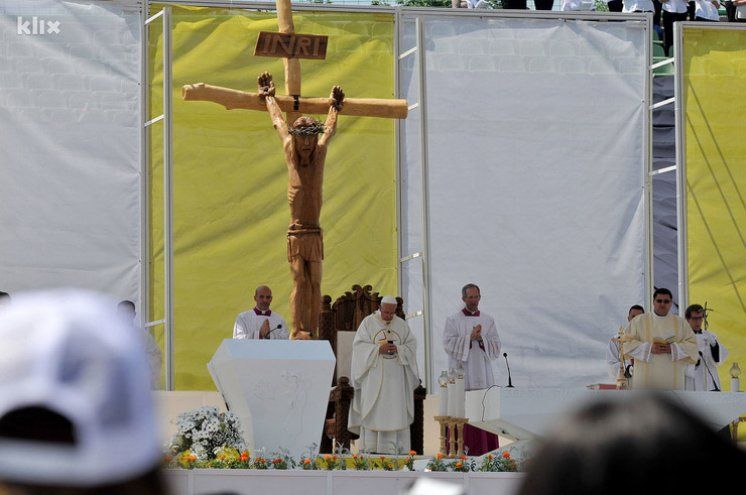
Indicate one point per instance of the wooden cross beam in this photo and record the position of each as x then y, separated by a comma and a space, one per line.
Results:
298, 46
233, 98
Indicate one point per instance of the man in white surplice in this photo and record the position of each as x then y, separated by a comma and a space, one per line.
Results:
703, 376
471, 341
662, 345
384, 375
260, 322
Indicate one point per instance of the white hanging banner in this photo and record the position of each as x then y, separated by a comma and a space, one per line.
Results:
70, 141
537, 151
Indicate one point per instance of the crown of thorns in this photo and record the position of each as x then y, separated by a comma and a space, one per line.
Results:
307, 129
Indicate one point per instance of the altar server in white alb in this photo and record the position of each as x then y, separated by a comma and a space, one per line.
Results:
384, 375
662, 345
471, 341
703, 376
260, 322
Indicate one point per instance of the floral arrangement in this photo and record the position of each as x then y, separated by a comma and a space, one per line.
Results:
205, 433
207, 438
228, 458
490, 463
360, 462
500, 464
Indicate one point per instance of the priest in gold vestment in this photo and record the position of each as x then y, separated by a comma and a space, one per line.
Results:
662, 346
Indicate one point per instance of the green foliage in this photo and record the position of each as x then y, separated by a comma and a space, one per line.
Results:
426, 3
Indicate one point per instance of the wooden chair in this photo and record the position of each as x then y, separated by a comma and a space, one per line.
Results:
345, 315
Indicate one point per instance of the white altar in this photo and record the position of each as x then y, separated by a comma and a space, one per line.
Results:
525, 413
279, 389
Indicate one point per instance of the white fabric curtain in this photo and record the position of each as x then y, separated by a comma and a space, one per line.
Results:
536, 146
70, 141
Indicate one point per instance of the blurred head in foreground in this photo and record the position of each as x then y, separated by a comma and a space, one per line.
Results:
76, 414
642, 444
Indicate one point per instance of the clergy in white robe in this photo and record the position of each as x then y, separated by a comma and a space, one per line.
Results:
662, 345
471, 342
126, 310
384, 376
703, 376
613, 351
260, 322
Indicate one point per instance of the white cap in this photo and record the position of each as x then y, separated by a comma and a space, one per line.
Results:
69, 352
389, 300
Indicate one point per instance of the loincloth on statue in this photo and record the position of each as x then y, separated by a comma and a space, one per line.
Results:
306, 244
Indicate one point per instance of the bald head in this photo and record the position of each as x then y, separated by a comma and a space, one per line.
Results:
263, 297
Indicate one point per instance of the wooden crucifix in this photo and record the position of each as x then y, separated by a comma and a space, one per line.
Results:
305, 142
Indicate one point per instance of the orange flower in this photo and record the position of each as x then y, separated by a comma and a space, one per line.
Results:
459, 465
412, 453
191, 458
276, 461
506, 455
439, 455
334, 457
244, 456
167, 458
354, 456
490, 456
327, 457
462, 457
306, 461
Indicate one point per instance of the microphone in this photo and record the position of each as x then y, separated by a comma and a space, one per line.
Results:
273, 329
714, 383
510, 379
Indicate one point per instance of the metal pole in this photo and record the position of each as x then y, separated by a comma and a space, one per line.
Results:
648, 274
398, 155
425, 201
680, 168
168, 249
144, 169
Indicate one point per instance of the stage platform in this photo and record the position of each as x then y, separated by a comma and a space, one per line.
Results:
299, 482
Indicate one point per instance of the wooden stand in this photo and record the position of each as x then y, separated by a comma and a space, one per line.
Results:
455, 435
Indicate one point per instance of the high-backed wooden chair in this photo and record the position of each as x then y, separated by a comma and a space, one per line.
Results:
345, 315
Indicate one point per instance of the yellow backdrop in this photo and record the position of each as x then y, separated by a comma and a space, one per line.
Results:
230, 178
715, 126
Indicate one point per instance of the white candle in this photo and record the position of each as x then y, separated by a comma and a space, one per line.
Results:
460, 396
452, 399
443, 406
735, 385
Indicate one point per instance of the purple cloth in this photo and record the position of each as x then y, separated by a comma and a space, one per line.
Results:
476, 441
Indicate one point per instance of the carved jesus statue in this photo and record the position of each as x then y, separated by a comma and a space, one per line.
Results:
305, 144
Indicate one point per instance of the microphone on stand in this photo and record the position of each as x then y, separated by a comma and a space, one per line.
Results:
714, 383
272, 330
510, 379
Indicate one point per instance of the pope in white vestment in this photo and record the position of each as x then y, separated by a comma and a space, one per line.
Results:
384, 376
474, 356
662, 345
